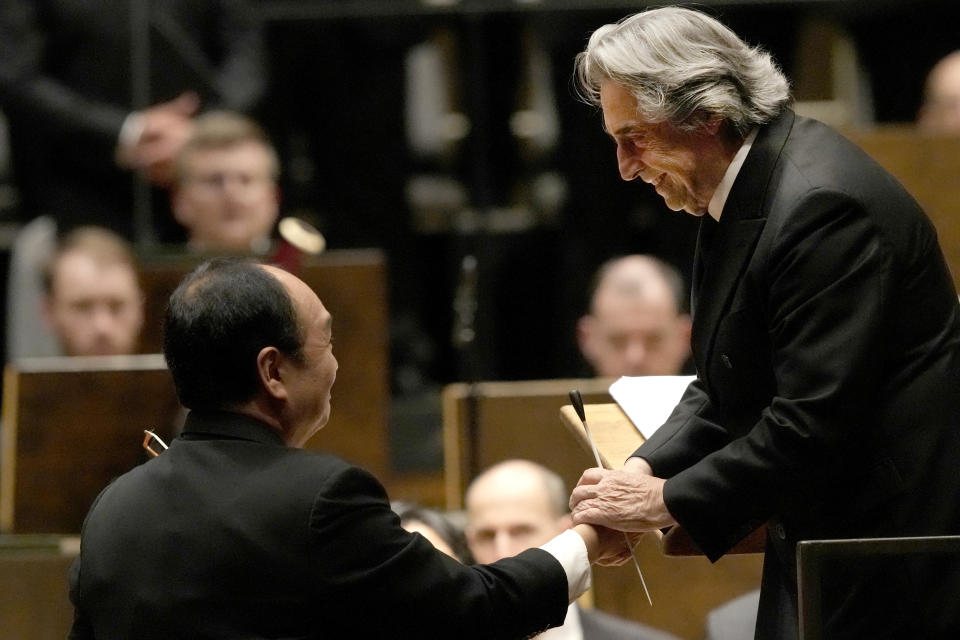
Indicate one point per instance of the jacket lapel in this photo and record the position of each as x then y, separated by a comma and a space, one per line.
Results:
741, 223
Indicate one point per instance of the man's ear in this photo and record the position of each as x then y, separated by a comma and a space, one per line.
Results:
270, 373
277, 201
181, 210
46, 311
713, 124
685, 328
706, 123
585, 328
470, 534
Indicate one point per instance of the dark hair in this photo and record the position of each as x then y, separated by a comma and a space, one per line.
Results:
217, 321
445, 529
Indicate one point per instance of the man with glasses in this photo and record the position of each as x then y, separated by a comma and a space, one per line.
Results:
225, 185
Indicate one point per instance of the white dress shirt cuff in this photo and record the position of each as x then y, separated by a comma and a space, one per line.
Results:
571, 552
131, 130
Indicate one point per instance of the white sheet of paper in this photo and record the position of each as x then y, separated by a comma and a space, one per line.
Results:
649, 400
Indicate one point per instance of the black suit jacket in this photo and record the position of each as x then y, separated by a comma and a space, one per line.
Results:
229, 534
826, 336
67, 84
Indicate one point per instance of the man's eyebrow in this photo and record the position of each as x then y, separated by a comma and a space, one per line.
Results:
629, 127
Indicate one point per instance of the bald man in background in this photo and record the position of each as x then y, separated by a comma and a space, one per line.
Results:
940, 111
519, 504
637, 325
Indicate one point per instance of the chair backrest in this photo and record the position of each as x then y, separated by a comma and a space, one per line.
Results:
353, 286
929, 167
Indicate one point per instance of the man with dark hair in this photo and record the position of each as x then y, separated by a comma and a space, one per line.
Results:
208, 358
826, 335
435, 527
940, 111
236, 532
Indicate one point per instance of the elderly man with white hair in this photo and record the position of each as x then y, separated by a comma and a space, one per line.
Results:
826, 335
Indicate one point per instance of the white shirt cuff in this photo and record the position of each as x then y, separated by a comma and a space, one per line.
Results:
131, 130
571, 552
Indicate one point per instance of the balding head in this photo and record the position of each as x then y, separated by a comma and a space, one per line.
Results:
636, 326
513, 506
253, 339
940, 112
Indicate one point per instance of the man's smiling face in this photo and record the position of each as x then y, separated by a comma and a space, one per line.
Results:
675, 162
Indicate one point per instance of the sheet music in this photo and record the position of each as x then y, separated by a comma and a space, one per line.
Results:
649, 400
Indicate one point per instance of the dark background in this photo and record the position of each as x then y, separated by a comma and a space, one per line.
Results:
337, 105
336, 112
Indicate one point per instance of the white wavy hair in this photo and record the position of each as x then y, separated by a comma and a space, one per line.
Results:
683, 67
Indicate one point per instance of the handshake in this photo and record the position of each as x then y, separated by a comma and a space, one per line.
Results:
608, 503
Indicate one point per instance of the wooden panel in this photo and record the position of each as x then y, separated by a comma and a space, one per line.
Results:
684, 589
610, 429
352, 286
354, 290
522, 420
511, 420
70, 426
929, 167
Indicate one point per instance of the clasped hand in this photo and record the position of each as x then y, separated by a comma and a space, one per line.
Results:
628, 499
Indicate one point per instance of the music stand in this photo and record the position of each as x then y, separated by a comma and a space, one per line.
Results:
812, 555
71, 425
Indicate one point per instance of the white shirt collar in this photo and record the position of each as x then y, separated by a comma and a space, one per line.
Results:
715, 207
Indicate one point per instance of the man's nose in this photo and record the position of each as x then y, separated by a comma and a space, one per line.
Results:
103, 319
628, 160
635, 355
234, 186
503, 543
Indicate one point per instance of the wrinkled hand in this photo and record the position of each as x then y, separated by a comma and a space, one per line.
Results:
166, 127
623, 499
